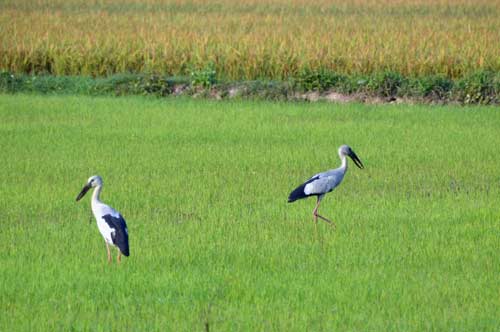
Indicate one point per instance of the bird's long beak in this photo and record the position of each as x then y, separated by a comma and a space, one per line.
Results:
355, 159
83, 192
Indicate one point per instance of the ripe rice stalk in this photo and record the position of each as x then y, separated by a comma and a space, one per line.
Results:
273, 39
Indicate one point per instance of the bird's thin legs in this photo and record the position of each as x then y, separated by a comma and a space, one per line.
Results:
327, 220
316, 215
315, 211
316, 225
109, 253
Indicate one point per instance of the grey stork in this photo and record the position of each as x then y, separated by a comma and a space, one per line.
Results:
322, 183
111, 224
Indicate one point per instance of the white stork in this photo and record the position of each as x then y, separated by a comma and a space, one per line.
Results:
110, 223
322, 183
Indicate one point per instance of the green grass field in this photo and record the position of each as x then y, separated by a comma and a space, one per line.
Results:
214, 245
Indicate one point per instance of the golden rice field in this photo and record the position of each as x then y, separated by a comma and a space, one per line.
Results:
251, 39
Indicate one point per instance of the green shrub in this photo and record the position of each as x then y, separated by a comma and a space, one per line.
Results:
435, 87
9, 82
205, 77
482, 87
386, 84
321, 80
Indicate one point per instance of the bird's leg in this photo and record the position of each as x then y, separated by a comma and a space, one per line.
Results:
315, 211
316, 225
109, 253
327, 220
316, 215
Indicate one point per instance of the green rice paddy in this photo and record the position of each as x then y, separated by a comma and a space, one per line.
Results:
215, 246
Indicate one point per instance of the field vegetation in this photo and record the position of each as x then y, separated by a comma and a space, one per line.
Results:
253, 39
214, 245
203, 184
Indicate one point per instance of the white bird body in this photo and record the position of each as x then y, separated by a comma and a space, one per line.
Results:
99, 210
322, 183
110, 223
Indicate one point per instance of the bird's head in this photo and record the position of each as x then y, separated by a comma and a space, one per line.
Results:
92, 182
345, 150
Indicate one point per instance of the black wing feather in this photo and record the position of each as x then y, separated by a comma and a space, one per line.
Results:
120, 235
299, 193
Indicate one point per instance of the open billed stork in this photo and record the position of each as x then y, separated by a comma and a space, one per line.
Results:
111, 224
322, 183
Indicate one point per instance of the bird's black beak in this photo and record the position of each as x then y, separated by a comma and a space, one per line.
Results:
83, 192
356, 160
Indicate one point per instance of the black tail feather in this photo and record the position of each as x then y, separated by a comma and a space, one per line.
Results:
120, 234
121, 241
124, 250
298, 193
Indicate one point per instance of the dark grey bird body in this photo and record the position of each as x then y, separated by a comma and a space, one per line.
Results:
318, 185
322, 183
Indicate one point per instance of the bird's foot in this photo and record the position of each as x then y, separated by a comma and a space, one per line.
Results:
331, 223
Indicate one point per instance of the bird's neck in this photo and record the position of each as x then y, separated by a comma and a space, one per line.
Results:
95, 195
344, 163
